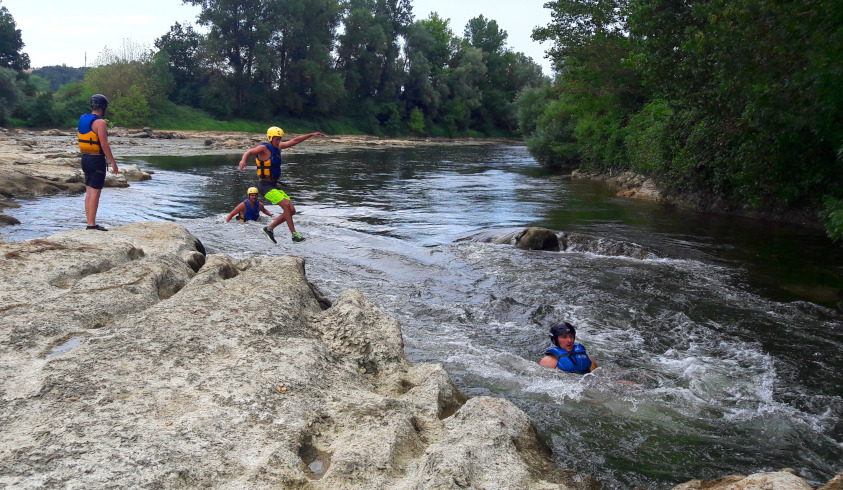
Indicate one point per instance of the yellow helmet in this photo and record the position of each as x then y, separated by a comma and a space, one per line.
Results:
252, 190
274, 131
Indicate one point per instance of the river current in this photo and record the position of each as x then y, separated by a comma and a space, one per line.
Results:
720, 345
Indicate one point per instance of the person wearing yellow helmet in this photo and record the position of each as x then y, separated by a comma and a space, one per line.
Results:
268, 160
250, 209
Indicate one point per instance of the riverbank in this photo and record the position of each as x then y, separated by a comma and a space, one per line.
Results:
636, 186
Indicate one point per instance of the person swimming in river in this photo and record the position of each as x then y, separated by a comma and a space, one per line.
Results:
250, 209
567, 355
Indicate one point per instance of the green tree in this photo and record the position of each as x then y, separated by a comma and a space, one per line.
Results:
11, 43
131, 72
308, 83
10, 94
429, 50
180, 49
368, 52
416, 123
131, 108
238, 44
59, 75
507, 73
597, 87
763, 137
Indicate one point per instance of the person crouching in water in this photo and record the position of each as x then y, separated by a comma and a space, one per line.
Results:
250, 209
566, 355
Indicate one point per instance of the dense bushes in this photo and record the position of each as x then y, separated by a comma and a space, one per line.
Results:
739, 101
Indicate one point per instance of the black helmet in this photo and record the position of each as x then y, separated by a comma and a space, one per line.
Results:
98, 101
559, 329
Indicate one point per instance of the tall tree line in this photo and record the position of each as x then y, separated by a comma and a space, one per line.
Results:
736, 102
363, 65
369, 61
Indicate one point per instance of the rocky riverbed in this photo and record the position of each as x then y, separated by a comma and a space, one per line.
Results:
133, 359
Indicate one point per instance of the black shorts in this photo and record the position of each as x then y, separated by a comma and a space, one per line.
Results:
94, 168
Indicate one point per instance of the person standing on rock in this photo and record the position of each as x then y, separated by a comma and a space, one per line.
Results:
566, 355
250, 209
93, 142
268, 160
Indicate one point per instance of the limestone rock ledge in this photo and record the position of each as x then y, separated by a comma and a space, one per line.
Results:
130, 359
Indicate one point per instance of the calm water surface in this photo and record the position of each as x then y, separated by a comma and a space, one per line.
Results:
721, 349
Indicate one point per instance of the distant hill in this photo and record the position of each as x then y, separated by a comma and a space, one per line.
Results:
60, 75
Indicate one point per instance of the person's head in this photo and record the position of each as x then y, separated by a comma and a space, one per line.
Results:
253, 193
274, 135
563, 335
99, 102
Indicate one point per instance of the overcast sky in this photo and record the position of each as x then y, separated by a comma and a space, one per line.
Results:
60, 32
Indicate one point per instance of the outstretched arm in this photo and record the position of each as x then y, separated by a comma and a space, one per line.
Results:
297, 140
264, 210
240, 208
254, 151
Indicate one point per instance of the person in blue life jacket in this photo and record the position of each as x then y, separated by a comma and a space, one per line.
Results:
96, 153
566, 355
268, 160
250, 209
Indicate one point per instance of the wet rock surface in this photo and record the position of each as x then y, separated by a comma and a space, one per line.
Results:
535, 238
630, 184
131, 359
775, 480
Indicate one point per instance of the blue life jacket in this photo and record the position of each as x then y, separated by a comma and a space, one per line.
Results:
251, 213
270, 168
576, 361
89, 142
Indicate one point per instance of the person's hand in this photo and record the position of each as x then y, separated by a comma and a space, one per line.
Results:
242, 164
114, 168
317, 134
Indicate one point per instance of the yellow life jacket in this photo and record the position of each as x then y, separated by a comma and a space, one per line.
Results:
89, 142
269, 168
263, 168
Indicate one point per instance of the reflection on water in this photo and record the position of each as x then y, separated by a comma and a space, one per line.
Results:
709, 366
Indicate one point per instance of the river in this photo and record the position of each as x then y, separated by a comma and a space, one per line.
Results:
720, 344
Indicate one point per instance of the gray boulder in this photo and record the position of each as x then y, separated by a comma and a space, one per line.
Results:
134, 173
779, 480
537, 239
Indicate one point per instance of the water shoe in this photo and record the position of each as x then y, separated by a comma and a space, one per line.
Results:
269, 233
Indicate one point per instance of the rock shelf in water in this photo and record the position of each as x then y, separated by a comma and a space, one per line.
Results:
131, 359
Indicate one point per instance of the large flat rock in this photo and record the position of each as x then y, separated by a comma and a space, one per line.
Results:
129, 359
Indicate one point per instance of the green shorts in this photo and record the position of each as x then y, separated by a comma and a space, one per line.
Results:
271, 192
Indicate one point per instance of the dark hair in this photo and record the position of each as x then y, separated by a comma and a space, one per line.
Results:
560, 329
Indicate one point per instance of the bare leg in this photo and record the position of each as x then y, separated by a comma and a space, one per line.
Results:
92, 203
287, 215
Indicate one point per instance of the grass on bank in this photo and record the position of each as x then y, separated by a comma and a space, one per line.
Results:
184, 118
170, 116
